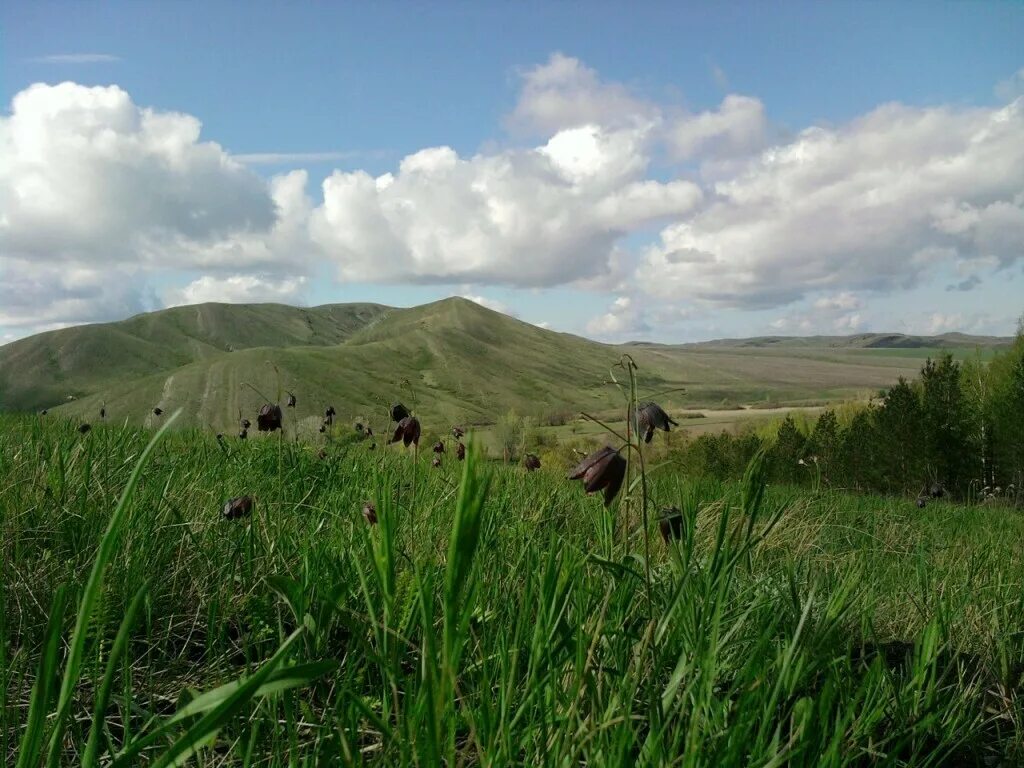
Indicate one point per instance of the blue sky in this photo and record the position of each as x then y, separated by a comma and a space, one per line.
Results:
726, 126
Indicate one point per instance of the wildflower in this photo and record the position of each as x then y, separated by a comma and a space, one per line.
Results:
399, 412
651, 416
372, 446
460, 452
368, 432
83, 428
604, 468
291, 400
359, 427
936, 491
922, 502
103, 413
240, 506
246, 423
269, 418
436, 462
438, 447
243, 433
531, 462
322, 454
158, 411
458, 432
671, 523
43, 412
220, 437
408, 431
323, 426
370, 513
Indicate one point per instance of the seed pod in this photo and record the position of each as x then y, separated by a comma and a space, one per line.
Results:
83, 428
531, 462
408, 431
603, 469
370, 513
438, 447
291, 400
240, 506
436, 462
399, 412
671, 524
269, 418
651, 416
157, 411
460, 452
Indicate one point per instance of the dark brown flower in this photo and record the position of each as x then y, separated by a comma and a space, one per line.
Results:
460, 452
103, 413
220, 437
243, 433
158, 411
438, 447
922, 502
359, 427
531, 462
670, 523
604, 468
246, 423
399, 412
370, 513
322, 454
436, 462
458, 432
651, 416
408, 431
269, 418
368, 432
43, 412
323, 426
329, 414
372, 446
240, 506
83, 428
291, 400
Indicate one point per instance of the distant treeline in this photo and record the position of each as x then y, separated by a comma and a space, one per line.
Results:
959, 426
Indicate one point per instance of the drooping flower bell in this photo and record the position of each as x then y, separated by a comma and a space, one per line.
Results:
460, 452
438, 447
158, 411
370, 513
399, 412
531, 462
651, 416
240, 506
269, 418
291, 400
83, 428
408, 431
458, 432
671, 524
436, 462
603, 469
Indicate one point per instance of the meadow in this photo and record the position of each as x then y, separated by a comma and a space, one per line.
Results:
491, 616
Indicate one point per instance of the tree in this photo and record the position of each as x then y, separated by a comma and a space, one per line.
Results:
787, 452
901, 444
823, 444
946, 421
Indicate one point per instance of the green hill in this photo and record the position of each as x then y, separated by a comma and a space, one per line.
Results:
452, 360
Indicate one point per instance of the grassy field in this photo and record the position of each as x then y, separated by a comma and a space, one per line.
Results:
492, 617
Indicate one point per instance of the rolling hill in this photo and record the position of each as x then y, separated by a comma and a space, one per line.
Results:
452, 360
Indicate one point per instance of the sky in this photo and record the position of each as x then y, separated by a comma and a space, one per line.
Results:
663, 171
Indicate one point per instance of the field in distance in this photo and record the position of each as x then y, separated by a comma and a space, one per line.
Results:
453, 361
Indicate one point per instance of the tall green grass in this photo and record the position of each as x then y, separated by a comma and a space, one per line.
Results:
492, 617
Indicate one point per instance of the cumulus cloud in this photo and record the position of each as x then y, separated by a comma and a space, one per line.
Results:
236, 289
529, 217
878, 203
497, 306
623, 317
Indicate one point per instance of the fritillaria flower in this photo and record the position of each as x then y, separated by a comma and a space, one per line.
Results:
291, 400
603, 469
246, 423
103, 412
458, 432
460, 452
240, 506
370, 513
438, 447
408, 431
83, 428
359, 427
436, 462
399, 412
531, 462
269, 418
651, 416
671, 524
243, 433
158, 411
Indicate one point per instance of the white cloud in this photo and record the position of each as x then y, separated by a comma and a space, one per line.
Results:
529, 217
839, 301
497, 306
236, 289
737, 127
77, 58
1011, 87
623, 317
874, 204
